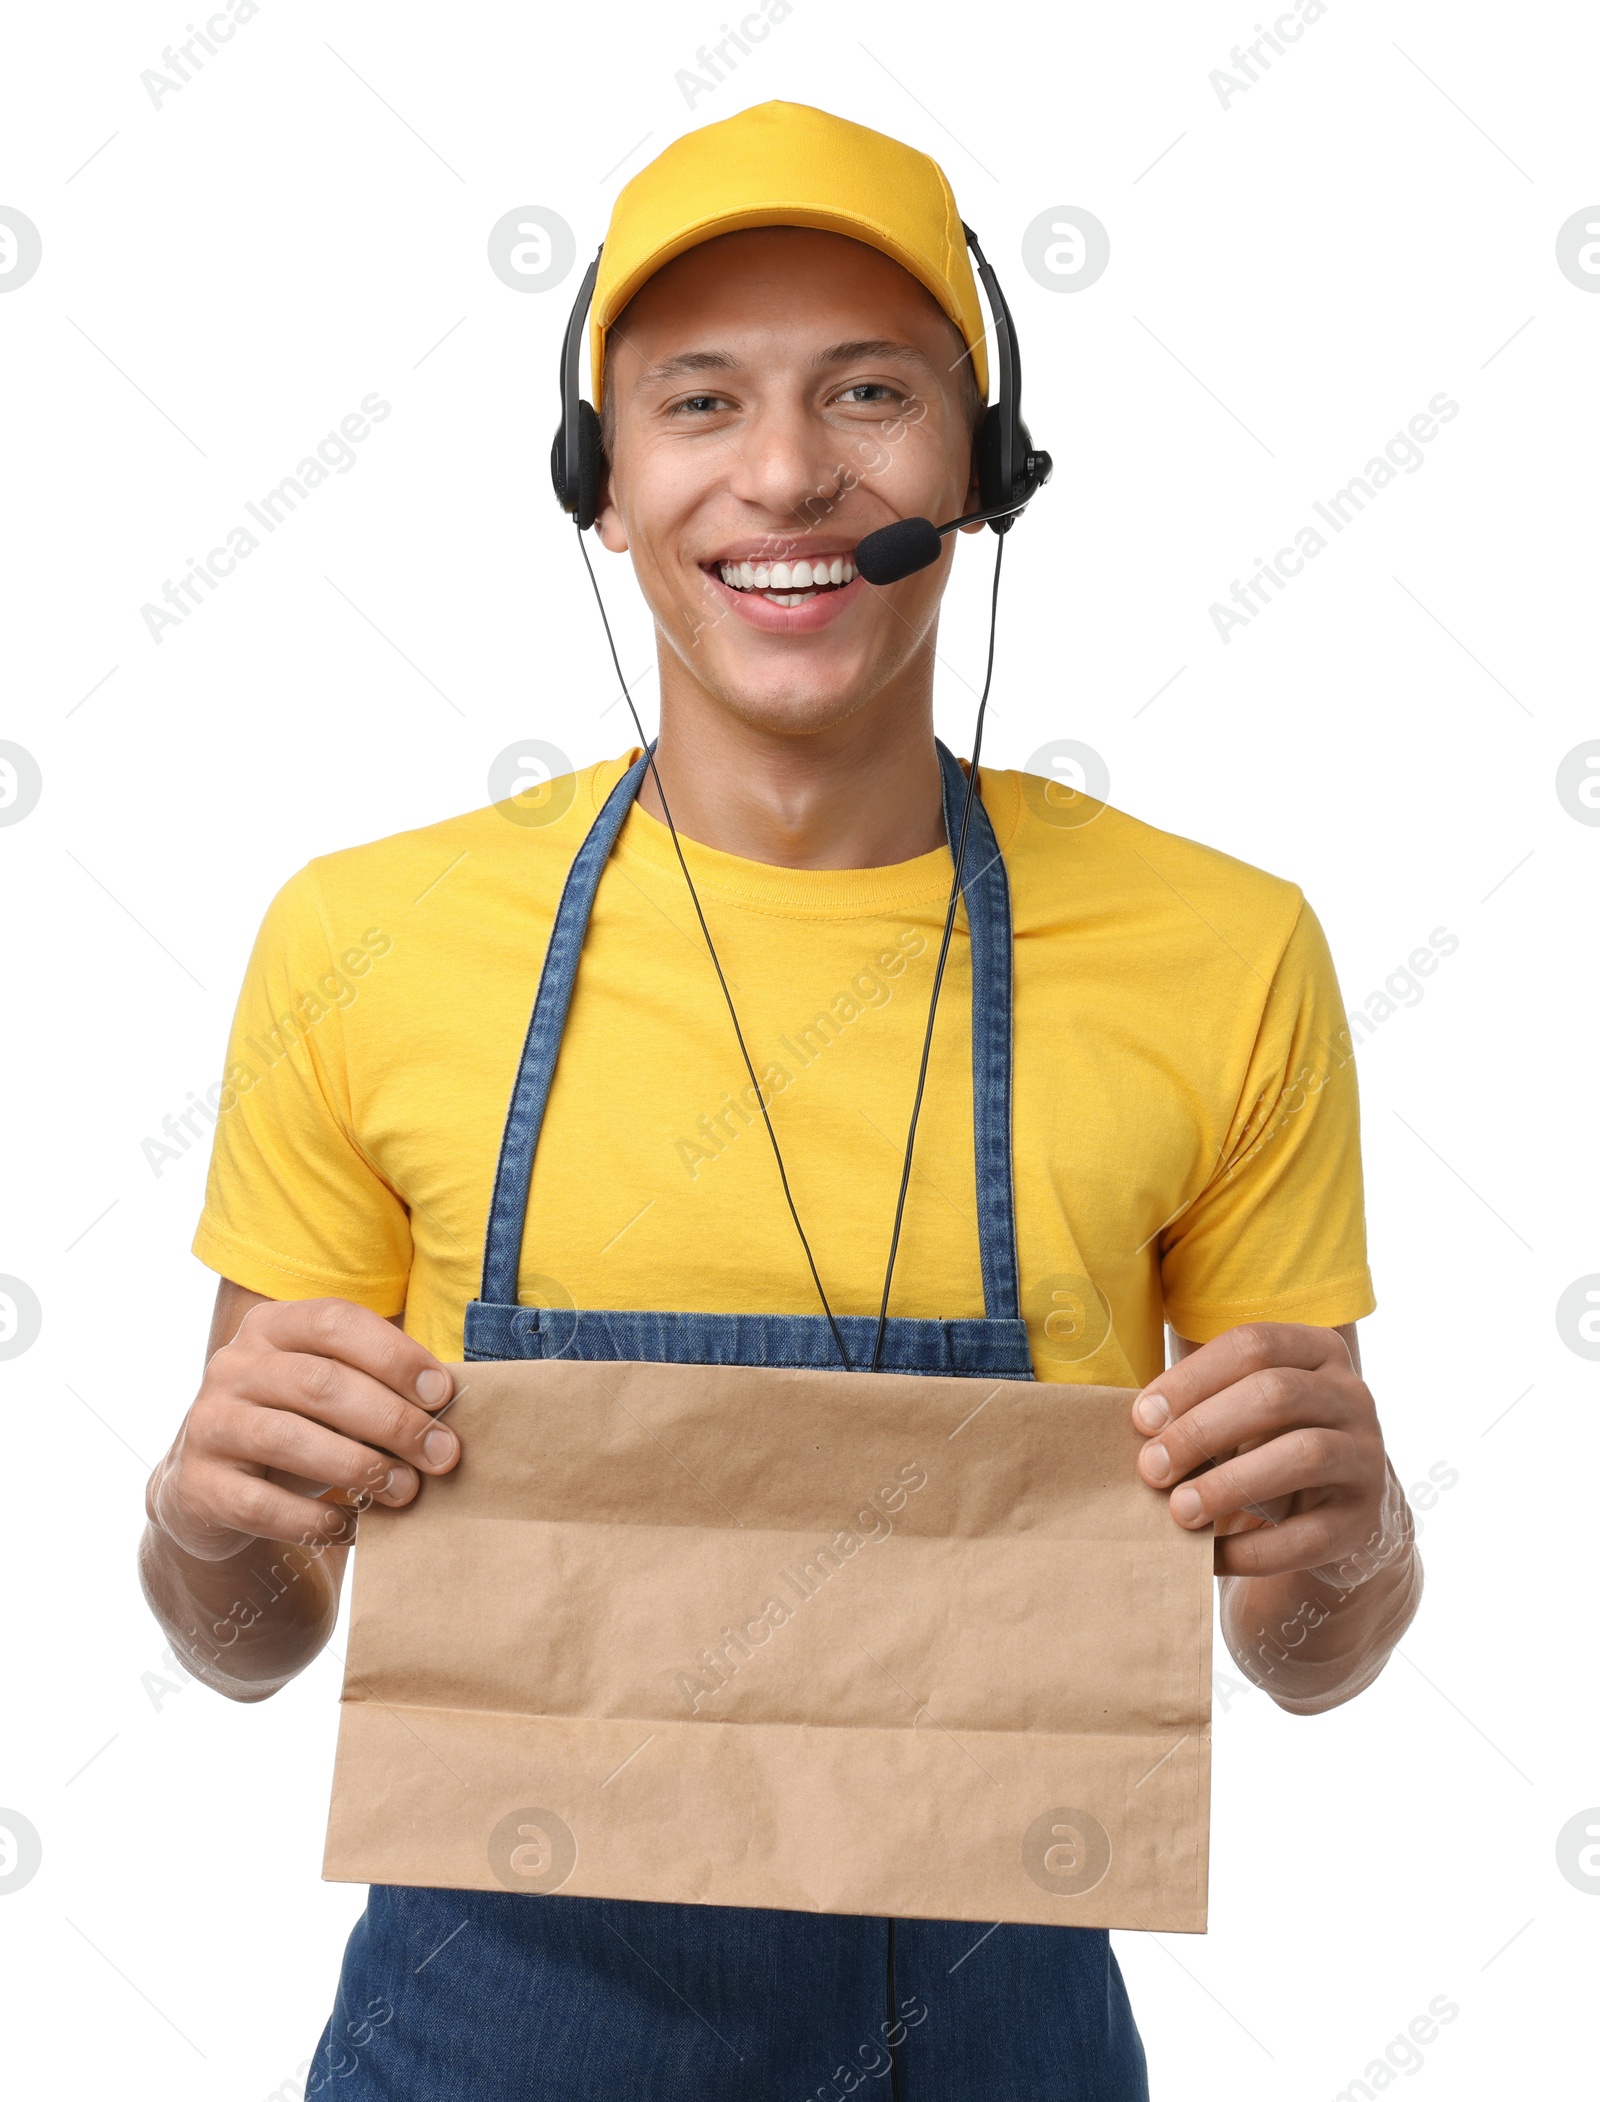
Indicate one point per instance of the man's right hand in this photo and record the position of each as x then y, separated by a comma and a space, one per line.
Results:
309, 1410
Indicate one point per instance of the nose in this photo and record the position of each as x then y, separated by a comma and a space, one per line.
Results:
790, 465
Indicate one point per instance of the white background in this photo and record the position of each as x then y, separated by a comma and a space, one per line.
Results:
1372, 222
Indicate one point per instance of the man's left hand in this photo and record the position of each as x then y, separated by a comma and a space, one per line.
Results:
1270, 1433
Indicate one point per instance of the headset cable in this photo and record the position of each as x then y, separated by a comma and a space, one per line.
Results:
944, 951
711, 950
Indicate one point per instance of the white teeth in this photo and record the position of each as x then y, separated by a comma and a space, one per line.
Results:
788, 577
787, 598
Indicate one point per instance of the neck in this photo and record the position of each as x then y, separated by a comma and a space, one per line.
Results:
862, 793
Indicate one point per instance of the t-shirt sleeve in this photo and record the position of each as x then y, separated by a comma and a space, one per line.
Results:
1278, 1233
295, 1207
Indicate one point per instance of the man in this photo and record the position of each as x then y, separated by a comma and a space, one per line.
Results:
790, 350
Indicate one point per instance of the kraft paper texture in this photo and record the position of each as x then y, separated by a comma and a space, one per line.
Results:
826, 1641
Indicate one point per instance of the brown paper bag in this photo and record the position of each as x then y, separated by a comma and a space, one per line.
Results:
817, 1640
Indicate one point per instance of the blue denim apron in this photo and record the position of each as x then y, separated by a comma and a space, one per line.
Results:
487, 1995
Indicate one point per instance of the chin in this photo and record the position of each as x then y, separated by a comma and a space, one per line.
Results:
791, 708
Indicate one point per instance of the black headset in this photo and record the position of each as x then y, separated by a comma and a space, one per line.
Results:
1010, 472
577, 455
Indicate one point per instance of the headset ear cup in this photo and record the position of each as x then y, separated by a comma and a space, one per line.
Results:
558, 477
1028, 483
990, 494
992, 491
591, 466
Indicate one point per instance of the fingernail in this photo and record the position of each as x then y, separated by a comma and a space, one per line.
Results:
433, 1386
1151, 1411
1186, 1504
399, 1485
439, 1447
1156, 1461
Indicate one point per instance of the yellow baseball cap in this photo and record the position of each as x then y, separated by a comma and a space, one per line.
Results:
784, 164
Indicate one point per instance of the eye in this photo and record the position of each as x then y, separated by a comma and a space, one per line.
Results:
698, 405
867, 393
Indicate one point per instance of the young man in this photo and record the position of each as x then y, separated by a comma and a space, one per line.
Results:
790, 346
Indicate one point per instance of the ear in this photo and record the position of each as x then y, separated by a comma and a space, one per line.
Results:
609, 529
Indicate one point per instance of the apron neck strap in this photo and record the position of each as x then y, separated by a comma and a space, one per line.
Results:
987, 897
986, 894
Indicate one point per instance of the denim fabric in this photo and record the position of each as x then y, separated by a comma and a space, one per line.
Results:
485, 1996
972, 1349
509, 1204
987, 896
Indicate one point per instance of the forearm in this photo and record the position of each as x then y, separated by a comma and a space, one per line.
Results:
247, 1625
1313, 1639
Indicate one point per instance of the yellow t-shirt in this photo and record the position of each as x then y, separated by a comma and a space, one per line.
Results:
1185, 1118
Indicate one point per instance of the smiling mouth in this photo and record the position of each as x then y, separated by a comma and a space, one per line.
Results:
788, 583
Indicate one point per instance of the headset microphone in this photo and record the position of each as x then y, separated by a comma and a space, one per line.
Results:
900, 550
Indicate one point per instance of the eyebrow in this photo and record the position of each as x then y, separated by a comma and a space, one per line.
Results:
687, 361
874, 347
693, 361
